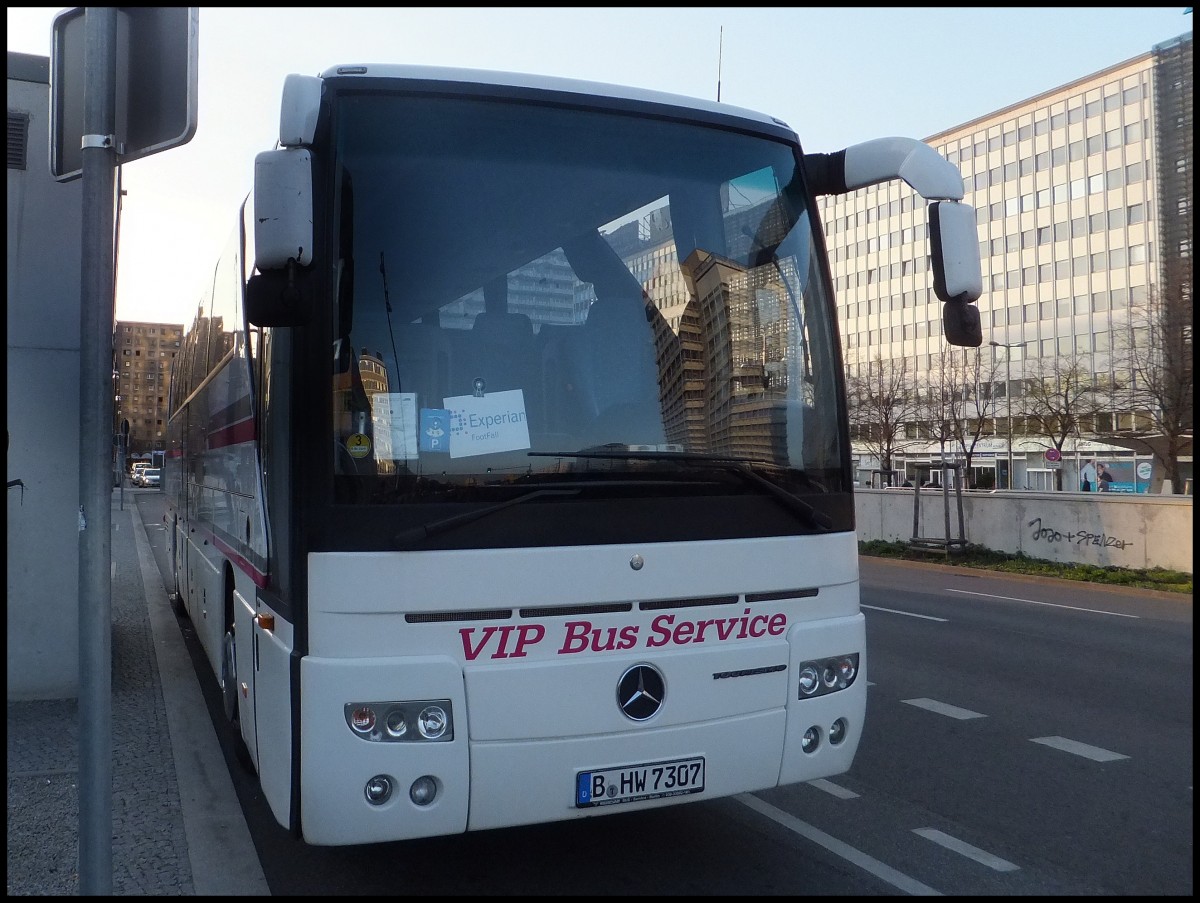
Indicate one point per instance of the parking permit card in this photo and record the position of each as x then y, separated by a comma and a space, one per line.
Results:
435, 430
395, 415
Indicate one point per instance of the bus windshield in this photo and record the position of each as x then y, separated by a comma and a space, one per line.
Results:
541, 295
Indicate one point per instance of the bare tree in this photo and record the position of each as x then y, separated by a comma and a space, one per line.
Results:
972, 377
940, 400
882, 399
1058, 398
1156, 356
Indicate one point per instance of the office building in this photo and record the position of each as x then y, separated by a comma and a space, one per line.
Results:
1083, 199
142, 355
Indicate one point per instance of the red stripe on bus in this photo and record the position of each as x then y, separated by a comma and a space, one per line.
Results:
242, 563
243, 431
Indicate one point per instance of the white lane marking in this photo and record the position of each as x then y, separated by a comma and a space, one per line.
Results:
833, 789
909, 613
941, 708
112, 571
1095, 753
965, 849
1095, 611
883, 872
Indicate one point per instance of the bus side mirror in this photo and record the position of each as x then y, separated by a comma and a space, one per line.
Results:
279, 297
278, 294
957, 275
283, 208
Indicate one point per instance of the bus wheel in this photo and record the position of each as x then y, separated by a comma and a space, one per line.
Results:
229, 678
229, 700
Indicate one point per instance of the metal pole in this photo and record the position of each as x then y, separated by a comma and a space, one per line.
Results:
95, 450
1008, 404
1008, 397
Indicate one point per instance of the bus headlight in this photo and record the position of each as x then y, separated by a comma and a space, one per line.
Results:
402, 721
432, 722
827, 675
810, 680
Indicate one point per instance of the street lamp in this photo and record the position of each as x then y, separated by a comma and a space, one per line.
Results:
1008, 398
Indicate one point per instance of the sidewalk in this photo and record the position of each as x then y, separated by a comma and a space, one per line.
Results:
177, 826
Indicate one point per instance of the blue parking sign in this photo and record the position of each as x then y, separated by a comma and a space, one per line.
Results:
435, 430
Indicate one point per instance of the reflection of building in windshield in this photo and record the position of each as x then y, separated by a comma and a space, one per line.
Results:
722, 342
545, 290
373, 372
741, 365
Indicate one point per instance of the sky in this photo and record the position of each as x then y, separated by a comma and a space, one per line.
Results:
837, 76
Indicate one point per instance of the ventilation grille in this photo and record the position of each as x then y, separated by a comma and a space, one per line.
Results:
503, 614
18, 140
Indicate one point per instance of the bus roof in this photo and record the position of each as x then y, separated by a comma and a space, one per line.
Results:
551, 83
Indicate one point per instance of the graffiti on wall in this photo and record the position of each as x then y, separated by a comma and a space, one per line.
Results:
1078, 537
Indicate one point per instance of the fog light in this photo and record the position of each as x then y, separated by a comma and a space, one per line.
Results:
379, 789
810, 740
837, 732
432, 722
423, 790
847, 668
810, 680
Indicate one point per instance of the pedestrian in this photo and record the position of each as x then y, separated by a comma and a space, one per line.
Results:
1103, 478
1087, 476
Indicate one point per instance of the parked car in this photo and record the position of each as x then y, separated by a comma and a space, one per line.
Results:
135, 472
151, 478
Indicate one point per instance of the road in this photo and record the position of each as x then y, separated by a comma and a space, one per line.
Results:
1023, 737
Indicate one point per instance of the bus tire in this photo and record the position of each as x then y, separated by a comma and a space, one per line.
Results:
229, 700
229, 678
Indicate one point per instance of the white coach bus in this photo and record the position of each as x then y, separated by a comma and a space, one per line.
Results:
509, 470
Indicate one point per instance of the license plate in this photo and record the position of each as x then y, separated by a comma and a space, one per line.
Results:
639, 782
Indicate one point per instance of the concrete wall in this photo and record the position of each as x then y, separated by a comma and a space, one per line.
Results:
44, 241
1107, 529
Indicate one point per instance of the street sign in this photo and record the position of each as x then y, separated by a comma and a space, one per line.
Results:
157, 61
1053, 454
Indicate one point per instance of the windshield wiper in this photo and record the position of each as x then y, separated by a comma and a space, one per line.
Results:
416, 534
726, 465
